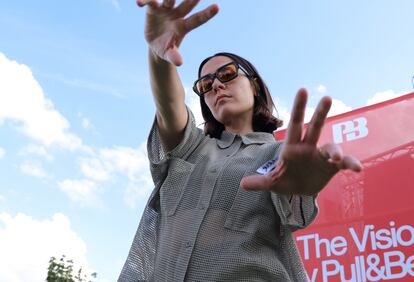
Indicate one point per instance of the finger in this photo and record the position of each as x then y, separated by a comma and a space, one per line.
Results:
350, 163
294, 130
200, 18
331, 152
173, 56
151, 3
168, 4
256, 182
185, 7
314, 129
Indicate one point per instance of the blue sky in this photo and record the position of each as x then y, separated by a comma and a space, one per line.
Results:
76, 107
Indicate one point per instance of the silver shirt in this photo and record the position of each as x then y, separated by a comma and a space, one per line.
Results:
199, 225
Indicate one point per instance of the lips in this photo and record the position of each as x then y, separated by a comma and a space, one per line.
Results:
219, 97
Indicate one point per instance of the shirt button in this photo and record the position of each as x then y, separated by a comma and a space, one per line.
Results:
213, 170
201, 207
188, 244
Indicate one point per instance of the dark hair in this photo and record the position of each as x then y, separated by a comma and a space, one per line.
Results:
263, 119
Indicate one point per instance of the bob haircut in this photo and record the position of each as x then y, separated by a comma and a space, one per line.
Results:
263, 119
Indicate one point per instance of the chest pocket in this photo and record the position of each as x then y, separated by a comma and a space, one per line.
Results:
253, 212
172, 189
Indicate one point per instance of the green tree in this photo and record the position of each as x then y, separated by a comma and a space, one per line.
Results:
62, 271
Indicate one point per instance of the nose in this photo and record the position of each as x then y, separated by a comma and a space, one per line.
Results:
217, 84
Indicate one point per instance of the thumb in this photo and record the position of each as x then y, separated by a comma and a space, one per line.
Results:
173, 56
255, 182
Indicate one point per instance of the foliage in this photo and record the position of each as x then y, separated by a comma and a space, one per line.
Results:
62, 270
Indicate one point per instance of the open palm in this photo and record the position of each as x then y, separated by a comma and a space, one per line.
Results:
303, 168
166, 25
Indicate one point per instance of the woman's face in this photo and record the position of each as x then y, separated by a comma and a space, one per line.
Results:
229, 100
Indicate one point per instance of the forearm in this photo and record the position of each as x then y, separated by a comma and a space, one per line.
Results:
168, 93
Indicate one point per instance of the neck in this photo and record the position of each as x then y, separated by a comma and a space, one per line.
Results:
239, 125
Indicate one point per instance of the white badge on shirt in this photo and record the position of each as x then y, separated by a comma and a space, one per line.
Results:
267, 167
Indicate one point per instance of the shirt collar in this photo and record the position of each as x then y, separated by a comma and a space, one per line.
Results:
227, 138
258, 138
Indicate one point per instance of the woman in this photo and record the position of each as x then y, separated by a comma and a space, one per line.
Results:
226, 201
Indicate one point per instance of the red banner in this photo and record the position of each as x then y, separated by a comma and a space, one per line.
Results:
365, 227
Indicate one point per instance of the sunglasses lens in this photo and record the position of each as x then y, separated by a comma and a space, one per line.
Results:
204, 84
224, 74
227, 73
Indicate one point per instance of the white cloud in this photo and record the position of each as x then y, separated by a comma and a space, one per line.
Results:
95, 169
125, 160
2, 199
33, 168
133, 163
2, 152
23, 102
82, 191
338, 107
109, 163
105, 165
383, 96
321, 89
35, 150
27, 244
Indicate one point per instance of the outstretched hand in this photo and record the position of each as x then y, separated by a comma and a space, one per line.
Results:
166, 26
303, 168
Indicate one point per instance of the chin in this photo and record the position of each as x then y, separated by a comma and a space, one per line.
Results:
226, 112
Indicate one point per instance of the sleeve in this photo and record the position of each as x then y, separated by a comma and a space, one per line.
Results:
296, 211
159, 159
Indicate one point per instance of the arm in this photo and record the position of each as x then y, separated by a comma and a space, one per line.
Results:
164, 31
168, 93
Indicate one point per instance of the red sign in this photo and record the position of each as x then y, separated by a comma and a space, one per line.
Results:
365, 227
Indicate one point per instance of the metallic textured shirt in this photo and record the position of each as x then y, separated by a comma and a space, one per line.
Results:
200, 225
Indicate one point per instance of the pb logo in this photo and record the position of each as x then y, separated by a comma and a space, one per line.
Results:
350, 130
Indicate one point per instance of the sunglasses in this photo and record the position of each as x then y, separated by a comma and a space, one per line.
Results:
224, 74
